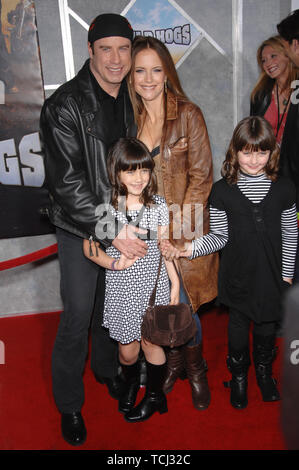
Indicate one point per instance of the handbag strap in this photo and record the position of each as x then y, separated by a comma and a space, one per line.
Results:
153, 294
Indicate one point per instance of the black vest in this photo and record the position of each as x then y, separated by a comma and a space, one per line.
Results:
250, 275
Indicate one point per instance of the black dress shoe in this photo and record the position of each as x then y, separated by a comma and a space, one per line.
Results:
115, 385
73, 428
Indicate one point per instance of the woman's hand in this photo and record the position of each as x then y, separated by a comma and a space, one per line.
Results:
124, 263
187, 252
288, 280
168, 250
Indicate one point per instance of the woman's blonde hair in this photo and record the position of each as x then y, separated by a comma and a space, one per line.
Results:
253, 133
266, 83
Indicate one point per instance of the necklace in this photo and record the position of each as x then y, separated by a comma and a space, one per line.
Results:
285, 100
285, 103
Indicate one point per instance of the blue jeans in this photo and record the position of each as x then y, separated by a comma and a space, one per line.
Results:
185, 299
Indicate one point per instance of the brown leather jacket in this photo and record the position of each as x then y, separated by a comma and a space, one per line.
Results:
187, 173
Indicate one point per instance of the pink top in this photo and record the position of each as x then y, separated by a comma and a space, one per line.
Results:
271, 116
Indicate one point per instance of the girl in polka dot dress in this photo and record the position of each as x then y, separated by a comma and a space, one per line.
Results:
130, 282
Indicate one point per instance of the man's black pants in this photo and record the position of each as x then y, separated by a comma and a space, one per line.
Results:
82, 292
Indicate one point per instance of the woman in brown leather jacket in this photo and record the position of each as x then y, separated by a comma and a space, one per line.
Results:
174, 130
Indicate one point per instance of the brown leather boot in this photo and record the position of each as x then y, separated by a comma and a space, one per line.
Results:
196, 369
175, 368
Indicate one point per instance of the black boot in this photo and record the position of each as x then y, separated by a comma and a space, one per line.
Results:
142, 369
238, 363
115, 385
154, 398
132, 384
264, 352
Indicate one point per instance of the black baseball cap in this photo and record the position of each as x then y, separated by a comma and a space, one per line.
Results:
110, 24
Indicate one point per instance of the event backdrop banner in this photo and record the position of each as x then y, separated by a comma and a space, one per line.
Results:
166, 21
23, 196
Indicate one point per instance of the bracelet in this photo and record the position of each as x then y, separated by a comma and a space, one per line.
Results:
113, 265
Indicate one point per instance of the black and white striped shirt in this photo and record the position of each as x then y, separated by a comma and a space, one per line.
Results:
255, 189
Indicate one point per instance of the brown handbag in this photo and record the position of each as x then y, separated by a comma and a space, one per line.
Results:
167, 325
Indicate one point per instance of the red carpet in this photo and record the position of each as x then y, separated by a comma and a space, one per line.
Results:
29, 420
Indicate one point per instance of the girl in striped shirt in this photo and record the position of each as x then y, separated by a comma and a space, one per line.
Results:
253, 222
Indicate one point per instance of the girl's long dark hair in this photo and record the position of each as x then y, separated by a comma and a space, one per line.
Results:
129, 153
252, 133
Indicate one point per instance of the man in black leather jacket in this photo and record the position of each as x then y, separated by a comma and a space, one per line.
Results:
78, 124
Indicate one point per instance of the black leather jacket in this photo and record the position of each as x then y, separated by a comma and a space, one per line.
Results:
75, 150
289, 150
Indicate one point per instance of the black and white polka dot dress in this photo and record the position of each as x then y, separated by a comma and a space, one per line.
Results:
128, 291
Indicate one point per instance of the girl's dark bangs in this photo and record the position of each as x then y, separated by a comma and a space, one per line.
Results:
135, 162
253, 134
255, 144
